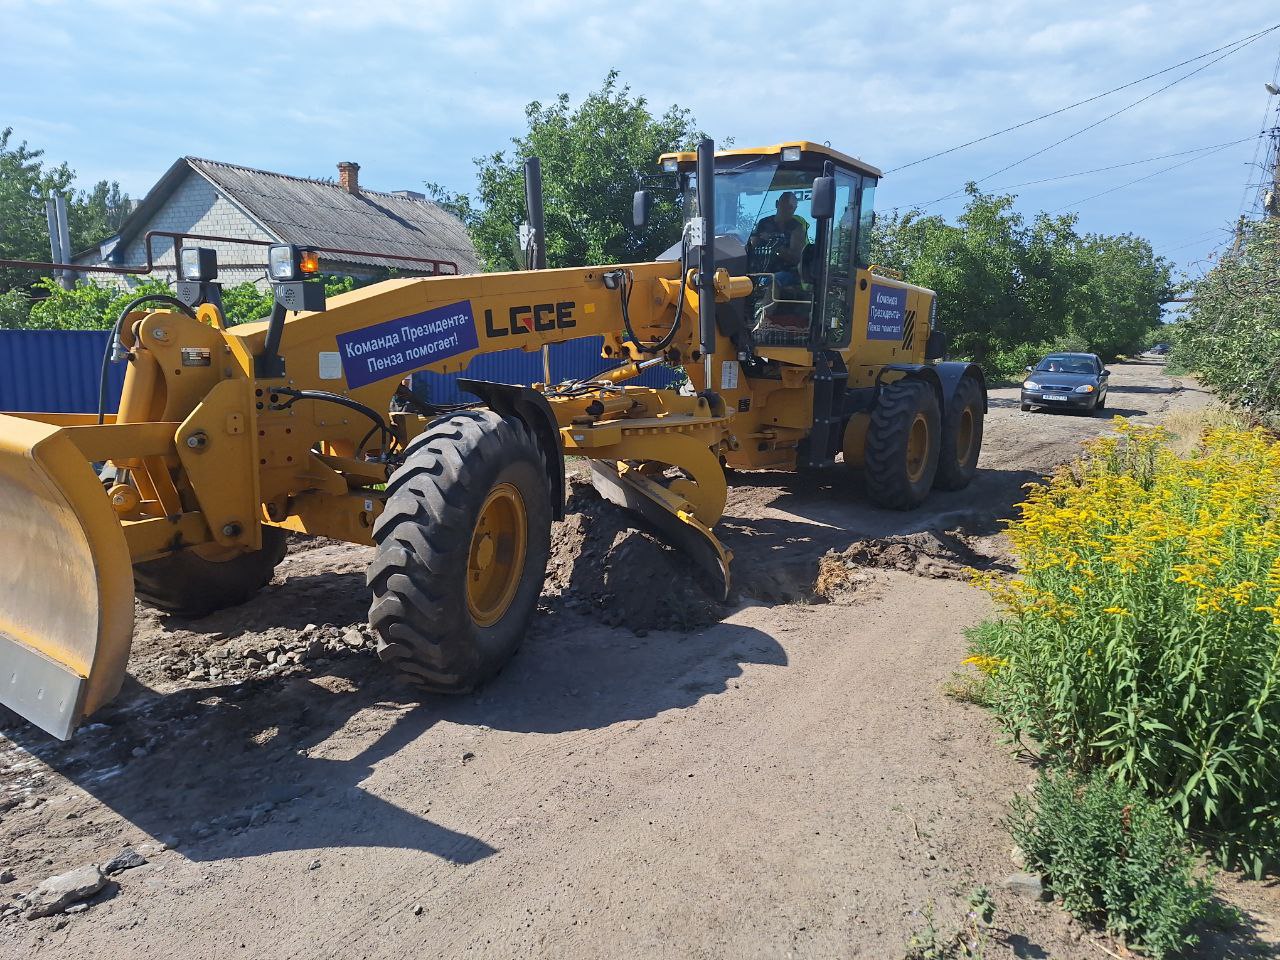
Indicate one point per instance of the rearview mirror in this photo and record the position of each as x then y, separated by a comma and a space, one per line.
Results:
641, 204
822, 205
1028, 369
1106, 373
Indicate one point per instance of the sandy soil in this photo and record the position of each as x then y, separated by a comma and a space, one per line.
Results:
651, 776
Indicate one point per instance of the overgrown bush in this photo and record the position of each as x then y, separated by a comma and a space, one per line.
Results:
1114, 856
90, 306
1230, 335
1143, 636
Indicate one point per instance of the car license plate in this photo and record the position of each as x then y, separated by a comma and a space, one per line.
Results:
1056, 396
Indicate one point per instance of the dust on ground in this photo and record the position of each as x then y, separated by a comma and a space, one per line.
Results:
776, 776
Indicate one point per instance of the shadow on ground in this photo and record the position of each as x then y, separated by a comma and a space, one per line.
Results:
229, 769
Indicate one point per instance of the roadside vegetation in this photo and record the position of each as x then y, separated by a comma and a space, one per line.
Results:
91, 306
1011, 291
1230, 336
1139, 653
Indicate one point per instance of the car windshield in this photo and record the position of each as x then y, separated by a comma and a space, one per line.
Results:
1081, 365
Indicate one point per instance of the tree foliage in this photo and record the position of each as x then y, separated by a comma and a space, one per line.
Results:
90, 306
1009, 290
1231, 332
591, 157
26, 179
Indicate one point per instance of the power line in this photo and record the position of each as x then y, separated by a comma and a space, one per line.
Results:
1200, 239
1080, 103
1275, 76
1175, 166
1235, 48
1130, 163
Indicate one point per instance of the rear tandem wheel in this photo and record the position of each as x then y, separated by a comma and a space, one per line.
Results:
903, 440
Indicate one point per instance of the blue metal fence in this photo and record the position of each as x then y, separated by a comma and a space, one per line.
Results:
56, 371
569, 361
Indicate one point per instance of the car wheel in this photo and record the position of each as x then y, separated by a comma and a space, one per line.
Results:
1026, 407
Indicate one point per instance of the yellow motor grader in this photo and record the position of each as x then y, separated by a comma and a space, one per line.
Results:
796, 350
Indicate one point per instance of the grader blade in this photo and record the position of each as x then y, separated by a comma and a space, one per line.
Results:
671, 515
66, 584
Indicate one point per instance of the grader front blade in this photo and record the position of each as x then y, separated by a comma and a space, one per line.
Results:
671, 515
66, 583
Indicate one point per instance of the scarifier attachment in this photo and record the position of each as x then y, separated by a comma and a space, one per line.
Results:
66, 582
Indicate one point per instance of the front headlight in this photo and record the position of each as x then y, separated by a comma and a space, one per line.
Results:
1085, 388
197, 263
1030, 385
281, 261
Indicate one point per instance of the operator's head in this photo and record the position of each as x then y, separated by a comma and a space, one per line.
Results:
786, 205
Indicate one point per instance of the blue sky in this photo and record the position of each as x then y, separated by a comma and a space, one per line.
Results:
414, 91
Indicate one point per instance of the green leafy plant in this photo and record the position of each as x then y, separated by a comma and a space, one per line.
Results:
1008, 290
967, 941
592, 154
1230, 335
1113, 856
1143, 636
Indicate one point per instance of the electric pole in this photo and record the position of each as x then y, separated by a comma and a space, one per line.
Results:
1271, 199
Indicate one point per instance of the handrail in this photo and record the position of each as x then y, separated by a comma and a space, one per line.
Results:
150, 266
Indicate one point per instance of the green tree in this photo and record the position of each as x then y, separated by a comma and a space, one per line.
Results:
25, 180
1009, 290
591, 157
1230, 334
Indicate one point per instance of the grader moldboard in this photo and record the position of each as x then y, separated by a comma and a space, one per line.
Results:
228, 436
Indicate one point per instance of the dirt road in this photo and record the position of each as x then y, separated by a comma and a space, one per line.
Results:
786, 781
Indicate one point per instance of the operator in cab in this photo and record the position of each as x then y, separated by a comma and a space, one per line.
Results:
782, 236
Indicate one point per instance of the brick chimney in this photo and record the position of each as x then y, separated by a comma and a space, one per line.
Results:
349, 176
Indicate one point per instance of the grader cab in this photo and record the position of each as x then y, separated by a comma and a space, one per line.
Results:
230, 436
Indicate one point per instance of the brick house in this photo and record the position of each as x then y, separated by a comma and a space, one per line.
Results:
226, 200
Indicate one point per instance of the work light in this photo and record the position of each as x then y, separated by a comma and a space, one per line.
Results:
198, 264
670, 165
790, 154
288, 261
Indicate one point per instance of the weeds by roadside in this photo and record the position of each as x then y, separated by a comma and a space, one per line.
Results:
968, 941
1113, 856
1143, 637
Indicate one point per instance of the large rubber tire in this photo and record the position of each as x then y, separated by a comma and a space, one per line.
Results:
192, 585
903, 439
423, 610
961, 437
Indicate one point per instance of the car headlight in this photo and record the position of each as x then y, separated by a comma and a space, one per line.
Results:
1085, 388
1030, 385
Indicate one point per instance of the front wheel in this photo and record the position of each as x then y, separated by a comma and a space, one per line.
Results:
198, 581
461, 551
903, 440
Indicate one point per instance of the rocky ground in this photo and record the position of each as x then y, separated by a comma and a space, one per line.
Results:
654, 774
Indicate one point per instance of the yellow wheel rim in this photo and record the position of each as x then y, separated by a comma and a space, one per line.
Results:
964, 436
917, 448
496, 559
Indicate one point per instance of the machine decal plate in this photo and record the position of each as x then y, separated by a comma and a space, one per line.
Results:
196, 357
395, 347
729, 375
888, 313
330, 364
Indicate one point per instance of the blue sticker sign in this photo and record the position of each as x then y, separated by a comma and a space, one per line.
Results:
396, 347
888, 313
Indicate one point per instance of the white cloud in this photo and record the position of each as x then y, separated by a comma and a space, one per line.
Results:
414, 90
